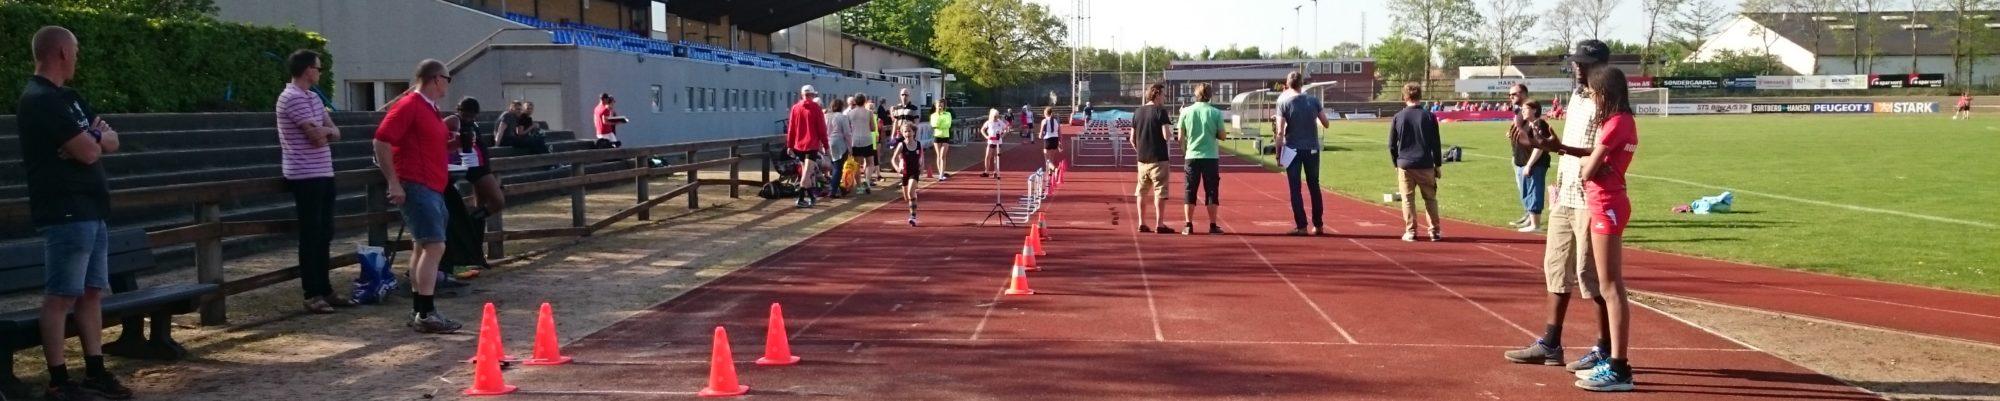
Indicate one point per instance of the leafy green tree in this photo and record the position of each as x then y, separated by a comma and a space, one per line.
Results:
997, 43
1434, 22
162, 9
1399, 58
1342, 50
905, 24
1730, 63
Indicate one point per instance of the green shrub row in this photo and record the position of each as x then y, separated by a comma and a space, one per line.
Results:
133, 64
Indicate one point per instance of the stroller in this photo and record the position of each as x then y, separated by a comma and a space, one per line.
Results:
788, 183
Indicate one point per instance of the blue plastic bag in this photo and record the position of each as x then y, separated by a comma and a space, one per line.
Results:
375, 281
1713, 204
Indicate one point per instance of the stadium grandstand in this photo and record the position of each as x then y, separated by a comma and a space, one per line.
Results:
681, 70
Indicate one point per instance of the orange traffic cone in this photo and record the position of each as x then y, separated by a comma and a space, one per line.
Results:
777, 345
489, 325
1042, 225
1034, 241
1018, 285
486, 376
547, 350
722, 370
1025, 262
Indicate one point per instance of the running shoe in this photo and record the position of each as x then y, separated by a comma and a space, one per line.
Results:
1518, 222
1595, 357
801, 203
1531, 227
1539, 352
106, 387
1318, 231
1606, 380
318, 306
913, 221
1163, 230
1297, 232
1409, 236
1187, 228
66, 391
982, 174
1144, 229
1436, 235
435, 323
1214, 229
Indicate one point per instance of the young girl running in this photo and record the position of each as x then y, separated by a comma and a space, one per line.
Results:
1052, 152
910, 161
1604, 168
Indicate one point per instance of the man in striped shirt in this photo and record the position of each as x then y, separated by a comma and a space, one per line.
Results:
304, 135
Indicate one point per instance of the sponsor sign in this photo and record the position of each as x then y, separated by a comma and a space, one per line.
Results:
1925, 81
1501, 85
1906, 107
1781, 108
1740, 83
1773, 82
1689, 83
1843, 107
1693, 108
1639, 81
1361, 116
1844, 82
1887, 81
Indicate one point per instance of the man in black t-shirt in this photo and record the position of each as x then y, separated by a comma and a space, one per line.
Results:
62, 141
1150, 129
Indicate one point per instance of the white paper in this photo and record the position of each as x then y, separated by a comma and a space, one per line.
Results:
1285, 156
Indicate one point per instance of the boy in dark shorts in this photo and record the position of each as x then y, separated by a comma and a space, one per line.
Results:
910, 161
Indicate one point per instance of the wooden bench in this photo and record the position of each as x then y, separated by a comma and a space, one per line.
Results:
22, 270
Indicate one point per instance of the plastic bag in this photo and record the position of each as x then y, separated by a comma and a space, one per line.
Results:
376, 280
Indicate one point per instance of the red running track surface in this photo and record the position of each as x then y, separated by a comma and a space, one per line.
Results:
881, 310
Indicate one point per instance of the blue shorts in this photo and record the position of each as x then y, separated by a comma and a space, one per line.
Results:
76, 256
423, 213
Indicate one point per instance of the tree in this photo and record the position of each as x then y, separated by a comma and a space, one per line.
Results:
1564, 23
997, 43
1730, 63
1657, 13
1694, 23
1867, 27
1342, 50
1292, 53
1432, 22
1596, 14
1970, 38
162, 9
1399, 58
901, 23
1506, 27
1464, 53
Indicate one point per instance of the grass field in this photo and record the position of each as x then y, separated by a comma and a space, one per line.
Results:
1908, 199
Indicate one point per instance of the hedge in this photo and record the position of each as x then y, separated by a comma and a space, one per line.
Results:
133, 64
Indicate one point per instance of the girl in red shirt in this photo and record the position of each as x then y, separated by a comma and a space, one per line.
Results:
1604, 168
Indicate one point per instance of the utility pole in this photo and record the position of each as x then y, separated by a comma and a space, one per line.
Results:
1364, 34
1315, 41
1295, 23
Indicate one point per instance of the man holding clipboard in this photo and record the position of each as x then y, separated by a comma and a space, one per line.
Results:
1300, 118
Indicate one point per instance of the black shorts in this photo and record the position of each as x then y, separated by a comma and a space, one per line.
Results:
473, 174
1964, 108
1052, 143
806, 156
865, 152
1204, 175
942, 139
913, 165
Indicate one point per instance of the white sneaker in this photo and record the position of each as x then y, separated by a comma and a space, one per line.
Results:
1409, 236
1518, 222
1531, 227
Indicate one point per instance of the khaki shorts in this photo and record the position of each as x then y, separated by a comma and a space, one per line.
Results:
1566, 260
1152, 178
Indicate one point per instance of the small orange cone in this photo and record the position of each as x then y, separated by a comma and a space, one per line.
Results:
1042, 225
486, 376
547, 350
489, 325
722, 370
777, 345
1026, 262
1034, 241
1018, 285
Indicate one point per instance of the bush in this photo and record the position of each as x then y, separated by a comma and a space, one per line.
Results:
133, 64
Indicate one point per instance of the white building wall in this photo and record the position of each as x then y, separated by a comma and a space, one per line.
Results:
1743, 35
873, 59
374, 40
1985, 72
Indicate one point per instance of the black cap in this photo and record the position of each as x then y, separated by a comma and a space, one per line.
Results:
1589, 51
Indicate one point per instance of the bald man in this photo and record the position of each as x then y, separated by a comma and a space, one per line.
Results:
62, 141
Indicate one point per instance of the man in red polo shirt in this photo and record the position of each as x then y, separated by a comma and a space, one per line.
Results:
805, 135
410, 147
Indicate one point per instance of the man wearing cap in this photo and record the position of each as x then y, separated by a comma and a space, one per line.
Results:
805, 136
1566, 260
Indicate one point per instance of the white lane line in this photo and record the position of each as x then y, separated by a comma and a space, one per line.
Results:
1295, 290
981, 328
1890, 303
1455, 293
1979, 224
1248, 342
1147, 282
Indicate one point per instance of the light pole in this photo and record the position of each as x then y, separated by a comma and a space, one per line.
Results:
1315, 42
1295, 22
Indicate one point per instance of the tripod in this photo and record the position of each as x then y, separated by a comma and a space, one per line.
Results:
999, 207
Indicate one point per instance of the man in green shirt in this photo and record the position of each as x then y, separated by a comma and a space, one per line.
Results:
1201, 127
941, 123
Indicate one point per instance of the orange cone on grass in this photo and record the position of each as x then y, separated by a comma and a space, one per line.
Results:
1018, 284
489, 325
547, 350
722, 370
777, 345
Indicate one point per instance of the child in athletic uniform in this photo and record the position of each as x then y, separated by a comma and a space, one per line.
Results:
1052, 152
1604, 169
910, 161
1964, 107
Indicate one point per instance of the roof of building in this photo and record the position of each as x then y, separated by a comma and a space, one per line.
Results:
1836, 34
866, 41
760, 16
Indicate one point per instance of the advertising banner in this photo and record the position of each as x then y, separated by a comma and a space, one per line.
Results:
1740, 83
1925, 81
1887, 80
1500, 85
1639, 81
1773, 82
1689, 82
1844, 82
1906, 107
1781, 108
1843, 107
1693, 108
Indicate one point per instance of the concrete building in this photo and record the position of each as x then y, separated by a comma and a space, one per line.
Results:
1844, 43
1353, 79
681, 70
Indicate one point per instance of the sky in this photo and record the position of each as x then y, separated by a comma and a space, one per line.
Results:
1189, 25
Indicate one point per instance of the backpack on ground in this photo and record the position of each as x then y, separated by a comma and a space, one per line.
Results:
1454, 154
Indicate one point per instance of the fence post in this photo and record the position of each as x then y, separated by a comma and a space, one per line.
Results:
576, 197
766, 158
643, 183
378, 232
208, 264
735, 189
694, 196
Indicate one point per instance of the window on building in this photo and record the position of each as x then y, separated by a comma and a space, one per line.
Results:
659, 96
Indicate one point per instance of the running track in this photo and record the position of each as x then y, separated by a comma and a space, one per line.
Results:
881, 310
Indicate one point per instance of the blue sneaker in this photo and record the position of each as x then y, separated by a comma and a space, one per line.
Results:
1606, 380
1603, 365
1591, 359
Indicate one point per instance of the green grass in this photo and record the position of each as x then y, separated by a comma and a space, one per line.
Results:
1914, 164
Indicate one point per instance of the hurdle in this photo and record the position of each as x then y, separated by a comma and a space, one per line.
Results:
1098, 141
